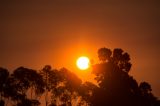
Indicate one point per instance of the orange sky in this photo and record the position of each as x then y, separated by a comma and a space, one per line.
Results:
36, 33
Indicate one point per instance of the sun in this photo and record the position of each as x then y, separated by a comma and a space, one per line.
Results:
83, 63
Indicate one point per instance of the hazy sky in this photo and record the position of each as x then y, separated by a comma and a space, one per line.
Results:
35, 33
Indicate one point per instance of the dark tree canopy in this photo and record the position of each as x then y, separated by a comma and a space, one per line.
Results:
114, 85
104, 54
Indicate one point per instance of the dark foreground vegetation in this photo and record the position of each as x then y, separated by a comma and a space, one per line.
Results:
52, 87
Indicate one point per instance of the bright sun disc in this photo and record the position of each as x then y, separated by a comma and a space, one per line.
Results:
83, 63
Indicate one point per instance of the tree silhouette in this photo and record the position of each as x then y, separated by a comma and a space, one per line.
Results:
145, 87
26, 80
104, 54
86, 91
114, 85
4, 75
67, 90
51, 80
147, 98
121, 60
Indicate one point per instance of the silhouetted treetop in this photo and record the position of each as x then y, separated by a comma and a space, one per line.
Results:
4, 75
145, 87
116, 86
113, 85
120, 58
104, 54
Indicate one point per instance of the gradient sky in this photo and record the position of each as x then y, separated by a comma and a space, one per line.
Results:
34, 33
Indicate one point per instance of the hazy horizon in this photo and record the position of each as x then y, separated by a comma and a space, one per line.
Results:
37, 33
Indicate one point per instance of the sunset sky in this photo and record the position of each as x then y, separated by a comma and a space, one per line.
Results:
56, 32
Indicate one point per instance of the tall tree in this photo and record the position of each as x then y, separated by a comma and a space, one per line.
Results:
51, 80
26, 80
68, 87
115, 85
4, 75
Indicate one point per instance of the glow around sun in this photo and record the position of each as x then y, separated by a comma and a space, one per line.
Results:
83, 63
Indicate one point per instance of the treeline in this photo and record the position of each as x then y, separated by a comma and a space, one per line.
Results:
52, 87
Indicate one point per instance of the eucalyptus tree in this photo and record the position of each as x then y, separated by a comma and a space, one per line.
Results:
4, 75
51, 79
113, 79
146, 96
67, 92
86, 92
104, 54
28, 85
115, 85
121, 59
